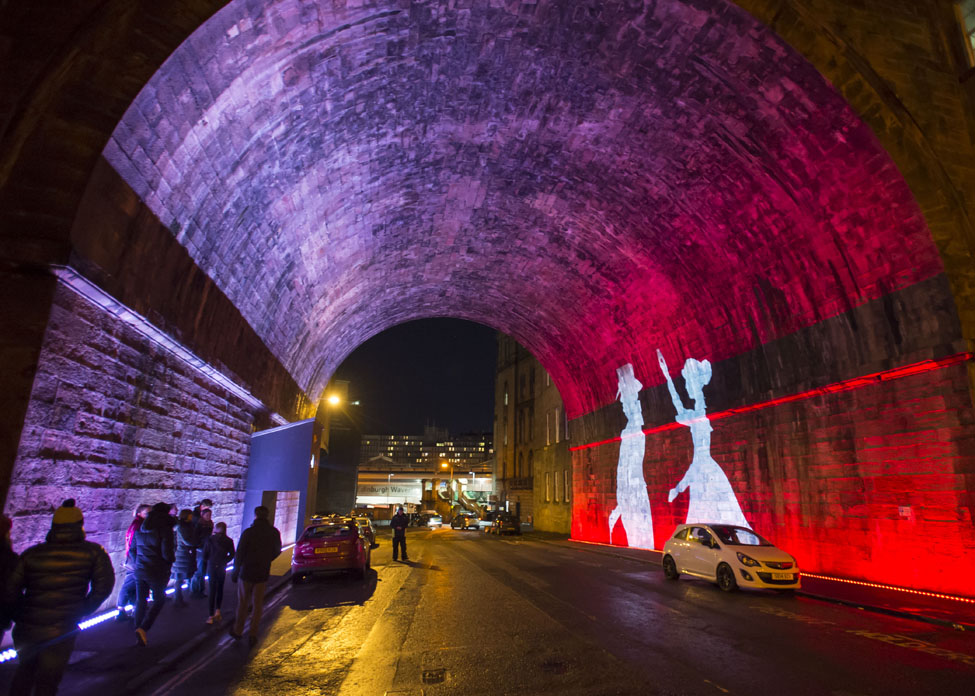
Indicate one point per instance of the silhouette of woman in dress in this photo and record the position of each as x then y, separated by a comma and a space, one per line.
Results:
632, 501
712, 498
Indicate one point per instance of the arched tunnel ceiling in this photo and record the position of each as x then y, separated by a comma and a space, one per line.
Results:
596, 179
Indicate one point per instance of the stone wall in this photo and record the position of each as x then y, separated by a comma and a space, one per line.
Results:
114, 421
854, 483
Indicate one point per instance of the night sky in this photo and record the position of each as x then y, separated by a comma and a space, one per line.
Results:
436, 371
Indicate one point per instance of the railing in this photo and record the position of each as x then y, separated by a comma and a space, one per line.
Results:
524, 483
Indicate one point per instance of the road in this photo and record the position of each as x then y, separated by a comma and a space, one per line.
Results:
475, 614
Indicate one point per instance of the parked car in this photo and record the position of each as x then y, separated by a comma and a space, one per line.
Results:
368, 531
485, 523
464, 520
330, 546
432, 521
506, 523
730, 556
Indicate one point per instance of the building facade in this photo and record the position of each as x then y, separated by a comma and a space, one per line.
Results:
533, 467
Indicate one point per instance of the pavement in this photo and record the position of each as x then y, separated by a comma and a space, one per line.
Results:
106, 658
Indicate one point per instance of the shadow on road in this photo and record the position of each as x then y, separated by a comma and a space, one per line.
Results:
332, 590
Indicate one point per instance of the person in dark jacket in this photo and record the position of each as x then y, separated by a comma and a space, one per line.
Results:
153, 552
218, 551
186, 544
203, 519
126, 595
57, 584
259, 545
8, 562
399, 523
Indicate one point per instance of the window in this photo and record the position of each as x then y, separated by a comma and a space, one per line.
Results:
557, 423
966, 16
548, 487
548, 428
548, 380
568, 486
558, 484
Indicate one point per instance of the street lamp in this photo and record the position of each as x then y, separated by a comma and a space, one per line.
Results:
443, 465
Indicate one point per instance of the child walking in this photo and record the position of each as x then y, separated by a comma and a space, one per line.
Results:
217, 553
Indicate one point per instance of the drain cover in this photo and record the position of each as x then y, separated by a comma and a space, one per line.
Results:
434, 676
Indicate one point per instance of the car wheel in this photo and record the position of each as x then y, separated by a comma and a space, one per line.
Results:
670, 568
726, 578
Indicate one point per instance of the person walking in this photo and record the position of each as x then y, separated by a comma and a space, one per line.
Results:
203, 519
399, 523
259, 545
8, 562
184, 567
126, 595
56, 584
218, 551
153, 551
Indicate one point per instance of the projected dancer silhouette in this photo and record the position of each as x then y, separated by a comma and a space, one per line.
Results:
711, 498
632, 501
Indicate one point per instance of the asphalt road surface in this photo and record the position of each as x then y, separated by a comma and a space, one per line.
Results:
475, 614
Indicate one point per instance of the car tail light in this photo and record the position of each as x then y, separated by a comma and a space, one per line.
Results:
304, 549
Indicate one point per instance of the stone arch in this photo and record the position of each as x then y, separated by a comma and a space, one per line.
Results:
725, 257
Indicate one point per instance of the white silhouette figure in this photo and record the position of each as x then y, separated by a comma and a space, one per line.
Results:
712, 498
632, 501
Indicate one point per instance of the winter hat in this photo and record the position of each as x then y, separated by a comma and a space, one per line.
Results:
67, 513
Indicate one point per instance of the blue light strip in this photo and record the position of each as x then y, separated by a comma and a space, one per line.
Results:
10, 653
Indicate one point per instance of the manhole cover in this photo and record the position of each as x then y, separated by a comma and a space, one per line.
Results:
434, 676
555, 667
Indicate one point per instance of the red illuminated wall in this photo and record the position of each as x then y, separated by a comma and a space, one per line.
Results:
872, 482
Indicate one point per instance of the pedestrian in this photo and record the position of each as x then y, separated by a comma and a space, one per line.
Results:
126, 595
203, 519
56, 584
259, 545
8, 562
218, 551
184, 566
153, 551
399, 523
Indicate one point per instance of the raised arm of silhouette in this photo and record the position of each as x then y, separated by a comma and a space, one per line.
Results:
674, 396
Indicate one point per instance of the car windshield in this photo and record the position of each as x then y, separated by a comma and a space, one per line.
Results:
327, 531
738, 536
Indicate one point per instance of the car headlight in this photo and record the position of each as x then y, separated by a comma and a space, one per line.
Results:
747, 560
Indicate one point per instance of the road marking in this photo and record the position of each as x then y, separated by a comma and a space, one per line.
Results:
719, 688
915, 644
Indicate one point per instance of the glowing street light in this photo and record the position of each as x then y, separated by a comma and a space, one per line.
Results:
443, 465
334, 399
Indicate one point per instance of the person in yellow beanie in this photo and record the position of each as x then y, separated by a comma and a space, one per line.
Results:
55, 584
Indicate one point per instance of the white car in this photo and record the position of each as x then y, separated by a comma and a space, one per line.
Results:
730, 556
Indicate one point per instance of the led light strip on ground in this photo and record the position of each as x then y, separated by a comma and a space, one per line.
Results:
845, 385
880, 586
10, 653
73, 280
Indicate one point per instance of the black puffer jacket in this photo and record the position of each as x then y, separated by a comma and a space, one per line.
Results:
186, 543
154, 546
259, 545
217, 551
58, 583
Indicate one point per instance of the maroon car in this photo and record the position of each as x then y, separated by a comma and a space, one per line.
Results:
329, 547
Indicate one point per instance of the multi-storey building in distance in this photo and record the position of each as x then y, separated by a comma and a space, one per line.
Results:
469, 452
533, 471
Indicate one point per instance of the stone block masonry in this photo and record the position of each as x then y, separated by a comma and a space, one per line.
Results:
114, 421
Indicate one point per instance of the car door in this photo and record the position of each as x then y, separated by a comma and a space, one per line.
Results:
700, 557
